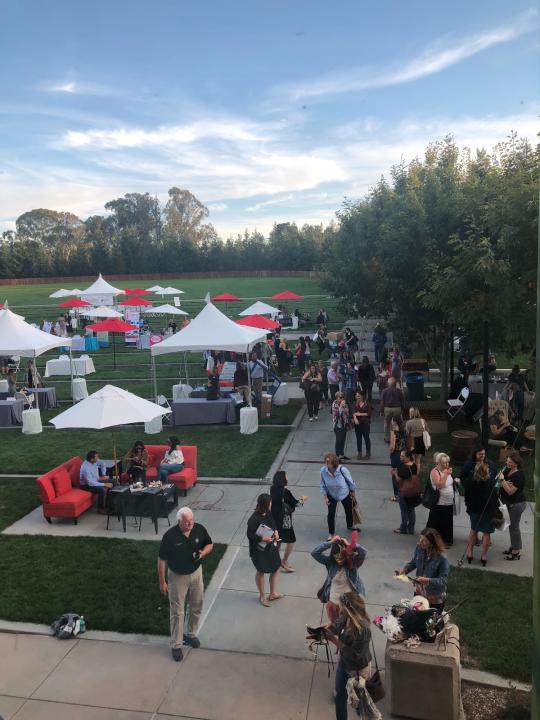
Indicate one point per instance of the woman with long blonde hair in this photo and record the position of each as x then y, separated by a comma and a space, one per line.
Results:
351, 635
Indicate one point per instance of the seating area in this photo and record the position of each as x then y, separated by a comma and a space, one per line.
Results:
60, 493
182, 480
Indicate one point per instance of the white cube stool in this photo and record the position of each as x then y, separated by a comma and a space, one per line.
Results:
31, 422
249, 420
281, 396
79, 391
155, 426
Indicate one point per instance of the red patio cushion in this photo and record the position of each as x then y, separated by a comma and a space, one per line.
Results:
71, 503
61, 481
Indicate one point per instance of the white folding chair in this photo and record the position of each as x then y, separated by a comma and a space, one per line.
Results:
162, 400
27, 399
456, 406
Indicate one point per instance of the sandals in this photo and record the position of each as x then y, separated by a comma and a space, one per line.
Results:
286, 568
514, 556
398, 532
263, 601
277, 596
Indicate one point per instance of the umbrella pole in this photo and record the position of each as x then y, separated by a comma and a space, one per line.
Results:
71, 373
154, 378
114, 456
186, 368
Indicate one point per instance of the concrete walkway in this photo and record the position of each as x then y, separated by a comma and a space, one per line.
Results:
253, 659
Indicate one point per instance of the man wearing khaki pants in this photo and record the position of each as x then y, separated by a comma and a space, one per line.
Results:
180, 577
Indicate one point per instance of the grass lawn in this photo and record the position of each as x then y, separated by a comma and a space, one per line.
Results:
487, 641
43, 577
222, 450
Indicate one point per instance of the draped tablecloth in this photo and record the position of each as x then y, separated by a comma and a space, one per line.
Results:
81, 366
199, 411
47, 397
11, 412
91, 343
78, 343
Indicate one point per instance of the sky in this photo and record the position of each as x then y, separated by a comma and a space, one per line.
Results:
267, 112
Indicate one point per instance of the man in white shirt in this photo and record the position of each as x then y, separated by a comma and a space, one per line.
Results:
257, 369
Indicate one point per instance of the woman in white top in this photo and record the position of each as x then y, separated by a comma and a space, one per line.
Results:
441, 517
173, 460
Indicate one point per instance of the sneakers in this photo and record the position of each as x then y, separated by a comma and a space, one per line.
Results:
192, 640
177, 654
316, 417
310, 419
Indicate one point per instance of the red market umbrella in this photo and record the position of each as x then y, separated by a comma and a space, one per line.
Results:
76, 303
137, 291
225, 297
258, 321
136, 302
287, 295
113, 325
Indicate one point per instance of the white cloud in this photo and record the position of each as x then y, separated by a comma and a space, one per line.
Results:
217, 207
436, 57
76, 87
68, 87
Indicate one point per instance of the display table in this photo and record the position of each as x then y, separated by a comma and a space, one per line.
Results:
149, 502
281, 396
91, 343
79, 391
181, 391
249, 420
46, 397
3, 386
199, 411
11, 412
31, 422
83, 365
77, 343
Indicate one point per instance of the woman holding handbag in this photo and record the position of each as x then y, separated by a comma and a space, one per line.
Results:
417, 434
283, 505
441, 514
312, 385
512, 494
409, 492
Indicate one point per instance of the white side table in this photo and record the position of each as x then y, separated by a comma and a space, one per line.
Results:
249, 420
31, 422
281, 396
79, 391
181, 391
155, 426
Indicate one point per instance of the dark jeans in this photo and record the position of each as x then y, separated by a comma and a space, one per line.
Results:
99, 491
362, 431
408, 516
313, 399
341, 436
441, 518
332, 505
137, 474
324, 392
367, 389
333, 390
341, 694
394, 464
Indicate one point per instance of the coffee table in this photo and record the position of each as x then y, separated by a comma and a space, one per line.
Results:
149, 502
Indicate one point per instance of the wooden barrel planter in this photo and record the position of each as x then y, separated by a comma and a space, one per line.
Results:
462, 445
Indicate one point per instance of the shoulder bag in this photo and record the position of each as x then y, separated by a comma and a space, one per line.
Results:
374, 685
410, 486
426, 437
430, 496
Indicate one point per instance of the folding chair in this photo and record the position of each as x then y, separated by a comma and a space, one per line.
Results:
456, 406
28, 399
162, 400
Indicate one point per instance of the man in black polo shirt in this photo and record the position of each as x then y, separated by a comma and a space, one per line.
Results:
180, 577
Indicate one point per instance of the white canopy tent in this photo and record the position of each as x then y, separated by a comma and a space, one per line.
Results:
155, 289
19, 338
101, 292
101, 312
169, 291
211, 329
164, 310
259, 308
63, 292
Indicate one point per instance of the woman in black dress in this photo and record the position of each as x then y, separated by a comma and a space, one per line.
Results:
263, 547
283, 505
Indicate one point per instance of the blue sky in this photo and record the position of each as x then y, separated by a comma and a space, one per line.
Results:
265, 111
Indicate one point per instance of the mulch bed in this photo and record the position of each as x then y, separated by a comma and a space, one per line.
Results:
485, 702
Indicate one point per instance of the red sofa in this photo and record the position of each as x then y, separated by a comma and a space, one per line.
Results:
60, 492
184, 479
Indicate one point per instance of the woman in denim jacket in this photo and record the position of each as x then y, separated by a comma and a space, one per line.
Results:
342, 564
432, 568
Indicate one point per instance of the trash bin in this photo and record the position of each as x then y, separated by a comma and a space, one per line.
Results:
415, 386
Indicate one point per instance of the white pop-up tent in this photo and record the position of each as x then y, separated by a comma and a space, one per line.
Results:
101, 312
101, 292
211, 329
19, 338
259, 308
164, 310
63, 292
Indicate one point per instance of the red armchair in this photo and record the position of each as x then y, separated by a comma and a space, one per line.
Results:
184, 479
60, 493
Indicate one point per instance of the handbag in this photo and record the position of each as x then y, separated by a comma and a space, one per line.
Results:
411, 487
457, 503
426, 437
374, 685
501, 518
356, 516
430, 496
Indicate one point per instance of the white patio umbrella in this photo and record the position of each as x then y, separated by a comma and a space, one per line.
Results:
102, 312
109, 407
155, 289
164, 310
63, 292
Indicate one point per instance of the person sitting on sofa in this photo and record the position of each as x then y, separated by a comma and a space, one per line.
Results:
137, 462
93, 478
173, 460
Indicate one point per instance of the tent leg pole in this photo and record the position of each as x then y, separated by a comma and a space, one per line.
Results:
71, 374
249, 380
154, 378
186, 368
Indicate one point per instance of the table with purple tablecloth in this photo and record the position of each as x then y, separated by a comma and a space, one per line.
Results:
199, 411
11, 412
47, 397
